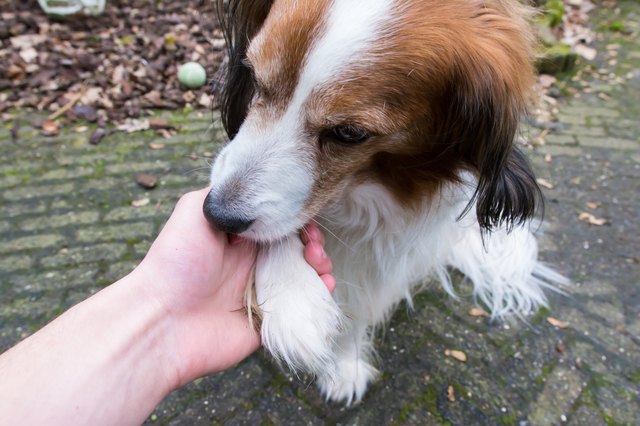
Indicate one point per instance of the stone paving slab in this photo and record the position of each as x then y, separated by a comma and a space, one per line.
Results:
67, 229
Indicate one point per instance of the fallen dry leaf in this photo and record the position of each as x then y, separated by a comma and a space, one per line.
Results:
477, 312
146, 181
547, 158
92, 95
589, 53
557, 323
459, 355
205, 101
159, 123
155, 145
118, 74
592, 205
50, 128
140, 203
544, 183
546, 80
591, 219
27, 40
166, 133
131, 126
97, 135
451, 394
28, 54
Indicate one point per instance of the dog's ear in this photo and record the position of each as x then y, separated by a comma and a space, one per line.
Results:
487, 98
240, 21
507, 193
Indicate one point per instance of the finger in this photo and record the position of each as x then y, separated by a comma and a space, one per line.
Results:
317, 258
329, 281
304, 235
234, 239
187, 218
311, 232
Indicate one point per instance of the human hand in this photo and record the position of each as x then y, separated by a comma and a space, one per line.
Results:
315, 255
199, 278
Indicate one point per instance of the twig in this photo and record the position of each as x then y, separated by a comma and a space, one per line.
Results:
68, 105
14, 130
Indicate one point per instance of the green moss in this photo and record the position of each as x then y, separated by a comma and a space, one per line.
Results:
128, 39
635, 376
105, 207
427, 400
546, 370
556, 59
509, 419
616, 26
554, 12
588, 121
541, 315
99, 169
125, 149
610, 421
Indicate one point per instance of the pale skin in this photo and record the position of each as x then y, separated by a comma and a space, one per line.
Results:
178, 316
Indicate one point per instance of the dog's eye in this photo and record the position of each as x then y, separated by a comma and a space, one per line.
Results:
349, 134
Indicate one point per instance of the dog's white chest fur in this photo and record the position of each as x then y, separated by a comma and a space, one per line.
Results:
381, 252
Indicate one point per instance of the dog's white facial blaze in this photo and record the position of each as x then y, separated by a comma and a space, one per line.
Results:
272, 165
269, 180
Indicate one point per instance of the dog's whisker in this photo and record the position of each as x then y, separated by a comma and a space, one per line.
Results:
341, 241
326, 219
349, 284
195, 169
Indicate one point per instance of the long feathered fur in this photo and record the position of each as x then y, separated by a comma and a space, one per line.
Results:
408, 219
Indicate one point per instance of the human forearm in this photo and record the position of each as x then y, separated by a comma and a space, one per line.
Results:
105, 361
178, 316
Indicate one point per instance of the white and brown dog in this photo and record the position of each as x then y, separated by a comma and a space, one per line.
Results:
391, 122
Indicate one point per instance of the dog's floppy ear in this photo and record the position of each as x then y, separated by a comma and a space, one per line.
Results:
240, 20
507, 193
489, 95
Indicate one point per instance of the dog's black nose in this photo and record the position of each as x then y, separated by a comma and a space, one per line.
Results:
224, 220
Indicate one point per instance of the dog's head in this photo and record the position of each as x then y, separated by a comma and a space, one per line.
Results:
323, 94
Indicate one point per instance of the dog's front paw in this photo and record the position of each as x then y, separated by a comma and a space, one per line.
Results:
350, 380
300, 318
299, 328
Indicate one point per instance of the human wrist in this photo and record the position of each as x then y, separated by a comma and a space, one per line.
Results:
176, 345
156, 327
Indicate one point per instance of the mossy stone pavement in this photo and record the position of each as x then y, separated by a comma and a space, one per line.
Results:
68, 228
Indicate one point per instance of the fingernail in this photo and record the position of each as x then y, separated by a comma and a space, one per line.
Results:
315, 234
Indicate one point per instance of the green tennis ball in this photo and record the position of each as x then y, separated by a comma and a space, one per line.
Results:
192, 75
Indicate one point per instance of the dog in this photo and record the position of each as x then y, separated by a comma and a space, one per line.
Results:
391, 123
